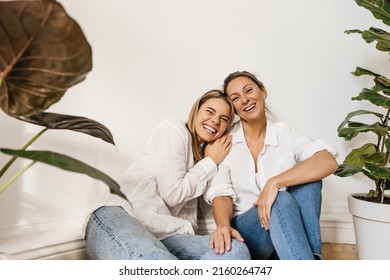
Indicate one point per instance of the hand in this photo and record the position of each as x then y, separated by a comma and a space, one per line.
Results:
219, 149
265, 201
220, 239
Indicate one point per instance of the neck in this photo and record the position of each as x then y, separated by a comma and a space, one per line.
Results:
255, 129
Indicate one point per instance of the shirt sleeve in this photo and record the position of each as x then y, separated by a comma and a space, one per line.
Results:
178, 180
305, 147
220, 185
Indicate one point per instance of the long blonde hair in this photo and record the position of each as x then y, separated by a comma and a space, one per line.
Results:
197, 146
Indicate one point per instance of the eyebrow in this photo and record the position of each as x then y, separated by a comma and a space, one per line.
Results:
250, 84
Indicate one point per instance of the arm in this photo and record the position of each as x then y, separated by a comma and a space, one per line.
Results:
316, 167
178, 181
220, 239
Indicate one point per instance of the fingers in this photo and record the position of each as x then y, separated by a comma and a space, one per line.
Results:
236, 235
264, 217
220, 240
264, 213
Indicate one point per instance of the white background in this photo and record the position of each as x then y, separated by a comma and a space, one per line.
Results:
152, 59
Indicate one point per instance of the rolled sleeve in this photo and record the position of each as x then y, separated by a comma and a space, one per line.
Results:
308, 147
220, 185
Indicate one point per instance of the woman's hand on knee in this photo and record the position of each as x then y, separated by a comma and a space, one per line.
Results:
221, 239
265, 201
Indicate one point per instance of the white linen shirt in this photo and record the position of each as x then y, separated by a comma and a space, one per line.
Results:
163, 183
283, 148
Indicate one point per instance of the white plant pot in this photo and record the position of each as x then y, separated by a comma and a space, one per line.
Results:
372, 228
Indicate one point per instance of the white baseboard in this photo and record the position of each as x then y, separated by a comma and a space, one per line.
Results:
336, 227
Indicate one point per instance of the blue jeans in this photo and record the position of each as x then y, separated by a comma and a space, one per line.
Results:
112, 233
294, 232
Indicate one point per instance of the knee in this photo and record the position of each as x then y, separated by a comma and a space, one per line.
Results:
283, 200
239, 251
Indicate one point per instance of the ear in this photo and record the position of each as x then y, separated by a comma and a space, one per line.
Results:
264, 93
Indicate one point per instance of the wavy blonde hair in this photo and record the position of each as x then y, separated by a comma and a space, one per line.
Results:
197, 146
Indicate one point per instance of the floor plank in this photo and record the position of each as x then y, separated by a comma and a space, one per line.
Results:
335, 251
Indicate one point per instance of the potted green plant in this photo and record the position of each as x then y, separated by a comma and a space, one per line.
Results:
43, 52
371, 211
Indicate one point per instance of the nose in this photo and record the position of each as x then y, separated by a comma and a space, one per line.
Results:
245, 99
215, 120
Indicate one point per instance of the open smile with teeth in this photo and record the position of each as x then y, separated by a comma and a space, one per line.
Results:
249, 108
209, 128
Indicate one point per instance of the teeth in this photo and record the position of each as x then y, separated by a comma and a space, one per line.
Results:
249, 108
210, 128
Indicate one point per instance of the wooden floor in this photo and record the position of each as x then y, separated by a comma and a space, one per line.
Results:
333, 251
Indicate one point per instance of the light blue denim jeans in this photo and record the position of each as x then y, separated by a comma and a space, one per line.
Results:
294, 232
112, 234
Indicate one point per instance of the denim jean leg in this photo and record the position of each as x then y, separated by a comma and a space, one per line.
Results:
255, 237
286, 228
309, 199
112, 234
197, 247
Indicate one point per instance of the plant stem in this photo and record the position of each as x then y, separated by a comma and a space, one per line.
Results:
9, 163
16, 176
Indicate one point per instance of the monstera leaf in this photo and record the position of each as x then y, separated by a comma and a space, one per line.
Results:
43, 52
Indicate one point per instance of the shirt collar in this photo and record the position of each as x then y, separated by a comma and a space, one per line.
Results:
271, 138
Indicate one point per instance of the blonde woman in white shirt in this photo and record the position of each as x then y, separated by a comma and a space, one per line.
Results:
268, 190
163, 184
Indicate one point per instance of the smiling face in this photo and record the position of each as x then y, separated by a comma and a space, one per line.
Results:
248, 99
212, 119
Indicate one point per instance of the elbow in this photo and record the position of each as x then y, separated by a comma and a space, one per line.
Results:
332, 164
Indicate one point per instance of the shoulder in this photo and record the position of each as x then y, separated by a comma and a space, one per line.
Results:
280, 127
236, 127
172, 126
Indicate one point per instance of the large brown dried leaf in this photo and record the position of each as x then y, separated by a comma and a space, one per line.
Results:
43, 52
75, 123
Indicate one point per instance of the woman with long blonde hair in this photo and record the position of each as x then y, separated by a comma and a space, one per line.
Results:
163, 185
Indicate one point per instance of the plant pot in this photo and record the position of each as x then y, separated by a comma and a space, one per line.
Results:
372, 228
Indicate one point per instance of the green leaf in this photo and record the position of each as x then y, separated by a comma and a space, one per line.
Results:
43, 52
69, 164
358, 113
357, 157
377, 170
74, 123
373, 97
379, 8
345, 170
354, 128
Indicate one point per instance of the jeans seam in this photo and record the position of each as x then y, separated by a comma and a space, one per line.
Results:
285, 236
111, 235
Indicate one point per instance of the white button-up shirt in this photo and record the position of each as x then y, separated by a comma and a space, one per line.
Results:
163, 183
283, 148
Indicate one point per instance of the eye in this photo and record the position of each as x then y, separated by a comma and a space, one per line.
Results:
249, 90
234, 98
225, 120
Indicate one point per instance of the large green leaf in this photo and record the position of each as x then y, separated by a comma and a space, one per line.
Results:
377, 170
345, 170
374, 97
359, 113
43, 52
368, 152
381, 37
75, 123
354, 128
349, 129
69, 164
381, 82
379, 8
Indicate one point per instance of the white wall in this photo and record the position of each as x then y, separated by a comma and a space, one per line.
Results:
152, 59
